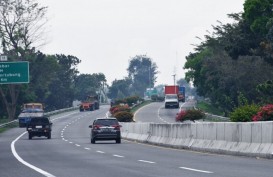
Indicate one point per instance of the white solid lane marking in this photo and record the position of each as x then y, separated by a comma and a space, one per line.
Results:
145, 161
24, 162
101, 152
192, 169
118, 156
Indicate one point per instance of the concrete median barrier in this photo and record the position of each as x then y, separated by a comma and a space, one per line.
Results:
248, 139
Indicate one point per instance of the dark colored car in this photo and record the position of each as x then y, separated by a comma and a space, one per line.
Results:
39, 126
105, 129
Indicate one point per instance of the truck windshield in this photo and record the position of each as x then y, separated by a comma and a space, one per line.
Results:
171, 96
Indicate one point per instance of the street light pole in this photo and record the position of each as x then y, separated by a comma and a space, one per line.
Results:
174, 82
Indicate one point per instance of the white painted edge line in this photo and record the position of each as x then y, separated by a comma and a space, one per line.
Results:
138, 111
118, 156
15, 154
24, 162
192, 169
145, 161
158, 115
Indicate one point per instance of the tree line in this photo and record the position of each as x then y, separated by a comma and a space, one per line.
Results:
233, 65
54, 79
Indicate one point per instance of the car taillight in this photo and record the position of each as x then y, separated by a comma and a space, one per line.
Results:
97, 127
116, 127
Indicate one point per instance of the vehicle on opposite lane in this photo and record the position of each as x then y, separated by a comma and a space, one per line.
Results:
105, 129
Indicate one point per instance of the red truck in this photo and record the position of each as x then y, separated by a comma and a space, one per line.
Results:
175, 89
90, 104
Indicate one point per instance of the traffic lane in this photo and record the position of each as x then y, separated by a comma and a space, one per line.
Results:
167, 159
32, 150
149, 113
9, 165
156, 113
61, 158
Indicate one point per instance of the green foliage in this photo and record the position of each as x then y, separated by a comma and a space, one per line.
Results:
124, 116
119, 89
244, 113
157, 98
265, 91
191, 115
142, 73
257, 13
206, 107
130, 101
88, 84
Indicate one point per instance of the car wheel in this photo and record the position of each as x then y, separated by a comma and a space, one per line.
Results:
29, 136
93, 141
118, 140
92, 108
49, 136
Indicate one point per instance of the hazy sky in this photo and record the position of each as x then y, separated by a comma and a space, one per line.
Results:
106, 34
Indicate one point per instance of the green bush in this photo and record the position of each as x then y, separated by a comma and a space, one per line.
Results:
128, 100
124, 116
244, 113
157, 98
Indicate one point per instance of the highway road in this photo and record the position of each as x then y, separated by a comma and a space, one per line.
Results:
157, 113
70, 154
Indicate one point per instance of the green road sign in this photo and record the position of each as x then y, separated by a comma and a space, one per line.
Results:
14, 72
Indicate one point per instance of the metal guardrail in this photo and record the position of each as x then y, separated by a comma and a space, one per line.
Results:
5, 124
215, 117
47, 114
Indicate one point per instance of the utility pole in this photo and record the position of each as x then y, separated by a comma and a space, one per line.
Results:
174, 81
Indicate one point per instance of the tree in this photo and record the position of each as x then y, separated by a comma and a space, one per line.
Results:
21, 25
88, 84
119, 89
142, 71
62, 86
258, 14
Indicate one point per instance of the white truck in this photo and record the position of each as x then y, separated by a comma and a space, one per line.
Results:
171, 100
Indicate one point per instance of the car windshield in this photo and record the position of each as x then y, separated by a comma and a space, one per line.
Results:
106, 122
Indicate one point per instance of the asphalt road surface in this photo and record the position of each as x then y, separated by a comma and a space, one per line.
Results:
70, 154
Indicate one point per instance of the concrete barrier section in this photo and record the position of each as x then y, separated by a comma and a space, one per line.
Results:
248, 139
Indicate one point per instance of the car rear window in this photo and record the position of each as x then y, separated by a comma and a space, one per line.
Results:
106, 122
39, 121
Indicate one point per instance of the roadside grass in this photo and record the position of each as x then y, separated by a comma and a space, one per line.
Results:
9, 126
144, 103
206, 107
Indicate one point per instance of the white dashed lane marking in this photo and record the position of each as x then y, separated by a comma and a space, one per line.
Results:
145, 161
101, 152
196, 170
118, 156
